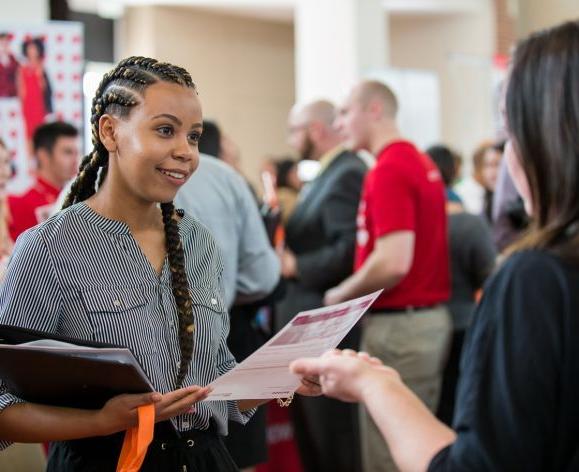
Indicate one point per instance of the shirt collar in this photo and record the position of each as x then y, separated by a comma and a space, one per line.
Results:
96, 219
399, 141
329, 157
118, 227
44, 186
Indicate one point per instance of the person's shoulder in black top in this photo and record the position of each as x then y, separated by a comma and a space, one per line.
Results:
517, 405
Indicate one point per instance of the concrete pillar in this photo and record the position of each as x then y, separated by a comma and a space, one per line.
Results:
336, 42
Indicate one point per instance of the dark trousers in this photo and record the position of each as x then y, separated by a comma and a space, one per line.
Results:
198, 451
445, 412
327, 430
247, 443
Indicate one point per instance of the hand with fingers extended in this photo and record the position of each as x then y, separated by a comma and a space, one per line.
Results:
345, 375
120, 412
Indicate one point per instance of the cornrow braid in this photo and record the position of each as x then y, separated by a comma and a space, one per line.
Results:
119, 91
180, 288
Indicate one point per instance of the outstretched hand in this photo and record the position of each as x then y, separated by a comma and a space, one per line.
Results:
120, 412
344, 374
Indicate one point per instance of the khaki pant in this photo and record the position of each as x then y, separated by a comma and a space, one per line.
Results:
415, 343
23, 458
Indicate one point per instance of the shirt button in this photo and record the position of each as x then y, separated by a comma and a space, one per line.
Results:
117, 303
214, 301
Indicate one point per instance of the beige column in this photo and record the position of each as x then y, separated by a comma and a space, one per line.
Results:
336, 42
539, 14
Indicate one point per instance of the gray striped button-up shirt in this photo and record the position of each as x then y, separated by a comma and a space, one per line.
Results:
84, 276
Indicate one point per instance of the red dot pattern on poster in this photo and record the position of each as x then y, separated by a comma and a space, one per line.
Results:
63, 66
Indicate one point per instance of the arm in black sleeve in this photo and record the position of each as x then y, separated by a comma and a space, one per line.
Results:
507, 403
482, 253
328, 266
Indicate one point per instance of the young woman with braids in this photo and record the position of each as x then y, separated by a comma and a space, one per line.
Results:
114, 267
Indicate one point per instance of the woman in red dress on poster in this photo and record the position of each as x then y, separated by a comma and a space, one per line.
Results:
33, 86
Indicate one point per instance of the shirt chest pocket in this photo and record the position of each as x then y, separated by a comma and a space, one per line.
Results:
210, 315
120, 316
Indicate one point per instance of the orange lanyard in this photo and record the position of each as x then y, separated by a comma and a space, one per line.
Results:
137, 441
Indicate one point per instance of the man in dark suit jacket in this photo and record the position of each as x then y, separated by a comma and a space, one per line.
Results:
320, 240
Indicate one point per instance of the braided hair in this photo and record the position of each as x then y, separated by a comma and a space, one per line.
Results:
119, 91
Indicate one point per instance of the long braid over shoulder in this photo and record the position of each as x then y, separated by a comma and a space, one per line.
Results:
119, 91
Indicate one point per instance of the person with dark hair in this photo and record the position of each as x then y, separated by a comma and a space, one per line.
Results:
471, 190
33, 85
476, 192
210, 141
472, 259
120, 265
288, 186
56, 150
217, 144
446, 159
517, 403
489, 175
46, 136
286, 173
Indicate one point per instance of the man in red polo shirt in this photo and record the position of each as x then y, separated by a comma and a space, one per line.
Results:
402, 248
56, 151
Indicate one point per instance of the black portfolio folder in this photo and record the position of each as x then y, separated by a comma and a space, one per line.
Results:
53, 370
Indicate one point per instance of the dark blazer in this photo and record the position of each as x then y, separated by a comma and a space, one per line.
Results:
322, 234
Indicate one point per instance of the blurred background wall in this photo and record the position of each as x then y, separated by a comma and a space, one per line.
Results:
245, 54
244, 68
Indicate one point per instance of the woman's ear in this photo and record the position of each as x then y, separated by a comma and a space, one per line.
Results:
107, 135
